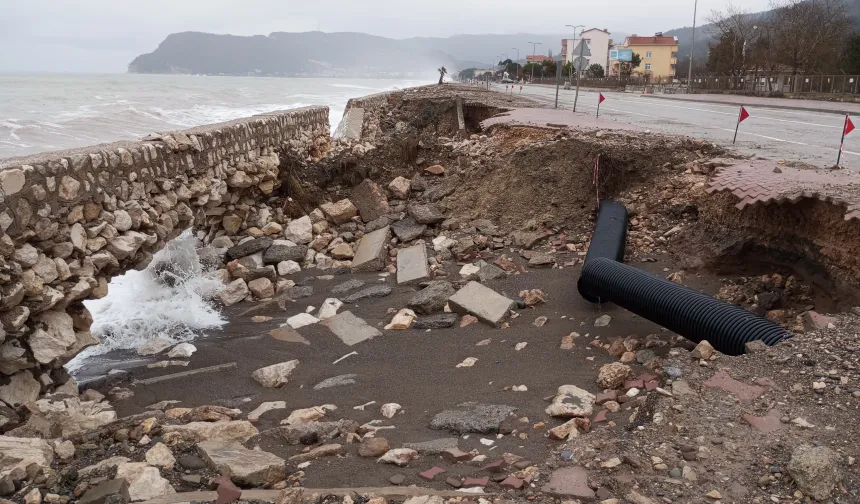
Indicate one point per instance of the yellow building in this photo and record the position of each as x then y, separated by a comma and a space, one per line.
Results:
659, 54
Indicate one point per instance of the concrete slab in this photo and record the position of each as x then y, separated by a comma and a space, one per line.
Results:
484, 303
350, 329
370, 255
412, 264
351, 125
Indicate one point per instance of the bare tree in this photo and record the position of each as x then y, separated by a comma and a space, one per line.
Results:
808, 34
736, 30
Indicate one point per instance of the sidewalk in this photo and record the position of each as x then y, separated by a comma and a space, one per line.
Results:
824, 107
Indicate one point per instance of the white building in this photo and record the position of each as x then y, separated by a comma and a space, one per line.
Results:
598, 43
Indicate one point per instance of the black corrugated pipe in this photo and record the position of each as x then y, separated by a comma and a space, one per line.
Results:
691, 314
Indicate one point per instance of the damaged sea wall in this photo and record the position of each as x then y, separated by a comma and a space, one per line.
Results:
72, 220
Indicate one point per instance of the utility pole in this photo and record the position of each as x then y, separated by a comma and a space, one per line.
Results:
692, 48
534, 48
518, 61
578, 70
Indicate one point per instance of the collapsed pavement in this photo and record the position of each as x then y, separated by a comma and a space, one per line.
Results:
420, 327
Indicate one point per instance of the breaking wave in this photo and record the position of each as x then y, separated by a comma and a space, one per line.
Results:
170, 298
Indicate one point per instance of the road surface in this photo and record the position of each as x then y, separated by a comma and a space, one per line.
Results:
794, 135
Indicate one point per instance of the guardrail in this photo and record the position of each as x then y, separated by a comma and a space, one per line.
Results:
779, 83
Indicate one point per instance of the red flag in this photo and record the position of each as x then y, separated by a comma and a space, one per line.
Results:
744, 115
601, 99
849, 126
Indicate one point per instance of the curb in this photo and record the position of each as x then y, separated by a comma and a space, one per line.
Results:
740, 104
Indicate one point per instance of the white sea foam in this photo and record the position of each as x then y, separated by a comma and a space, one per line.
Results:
140, 305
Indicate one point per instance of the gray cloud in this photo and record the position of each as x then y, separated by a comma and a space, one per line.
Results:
105, 35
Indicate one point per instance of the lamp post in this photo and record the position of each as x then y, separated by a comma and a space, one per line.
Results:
518, 61
692, 48
571, 49
534, 48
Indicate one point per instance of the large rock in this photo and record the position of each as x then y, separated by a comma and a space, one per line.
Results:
432, 298
236, 291
400, 187
300, 230
373, 447
127, 245
370, 255
21, 389
316, 431
238, 431
370, 200
160, 456
571, 401
350, 329
111, 491
613, 375
412, 264
144, 481
425, 213
275, 375
261, 288
817, 470
247, 248
280, 253
473, 417
349, 285
374, 291
244, 466
55, 339
18, 453
484, 303
407, 229
339, 212
438, 321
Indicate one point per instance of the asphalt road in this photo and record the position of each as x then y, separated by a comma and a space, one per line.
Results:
792, 135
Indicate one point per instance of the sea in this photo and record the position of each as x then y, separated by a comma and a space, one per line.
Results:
46, 112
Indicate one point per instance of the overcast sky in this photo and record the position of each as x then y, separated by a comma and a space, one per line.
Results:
105, 35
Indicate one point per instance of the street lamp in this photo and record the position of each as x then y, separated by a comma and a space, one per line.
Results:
692, 48
571, 49
518, 61
534, 47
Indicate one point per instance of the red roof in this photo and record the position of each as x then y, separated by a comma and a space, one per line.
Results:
651, 41
538, 58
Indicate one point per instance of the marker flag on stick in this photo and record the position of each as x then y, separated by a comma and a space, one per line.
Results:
741, 116
600, 100
847, 128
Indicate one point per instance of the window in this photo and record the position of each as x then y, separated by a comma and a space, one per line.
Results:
648, 54
647, 66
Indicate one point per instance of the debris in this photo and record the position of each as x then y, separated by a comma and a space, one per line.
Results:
520, 346
468, 320
373, 447
602, 321
254, 416
389, 410
484, 303
245, 467
398, 456
703, 351
533, 297
350, 329
288, 334
571, 401
540, 321
365, 405
473, 417
412, 264
468, 362
182, 350
328, 450
275, 375
345, 356
329, 308
613, 375
402, 320
336, 381
817, 470
301, 320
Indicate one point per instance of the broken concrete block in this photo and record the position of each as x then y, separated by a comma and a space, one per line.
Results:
370, 255
350, 329
484, 303
412, 264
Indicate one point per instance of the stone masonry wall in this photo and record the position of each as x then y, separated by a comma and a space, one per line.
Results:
71, 220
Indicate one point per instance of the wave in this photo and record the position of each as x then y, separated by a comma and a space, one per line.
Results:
170, 298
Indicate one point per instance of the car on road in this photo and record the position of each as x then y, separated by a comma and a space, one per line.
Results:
507, 81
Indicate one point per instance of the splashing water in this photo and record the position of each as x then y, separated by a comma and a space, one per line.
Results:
170, 298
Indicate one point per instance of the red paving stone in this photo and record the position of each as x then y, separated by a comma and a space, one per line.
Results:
569, 482
431, 473
766, 424
476, 482
755, 182
722, 381
512, 482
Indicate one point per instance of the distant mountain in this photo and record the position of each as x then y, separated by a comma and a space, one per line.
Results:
290, 54
335, 54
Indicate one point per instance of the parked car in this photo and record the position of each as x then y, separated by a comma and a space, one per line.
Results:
507, 81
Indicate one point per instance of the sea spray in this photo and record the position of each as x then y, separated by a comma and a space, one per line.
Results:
170, 298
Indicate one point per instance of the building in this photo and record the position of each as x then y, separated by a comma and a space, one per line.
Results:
537, 59
597, 44
659, 55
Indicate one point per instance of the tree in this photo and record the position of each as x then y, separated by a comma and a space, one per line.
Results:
532, 69
510, 66
467, 74
595, 71
567, 69
736, 30
809, 34
549, 67
626, 67
442, 72
850, 60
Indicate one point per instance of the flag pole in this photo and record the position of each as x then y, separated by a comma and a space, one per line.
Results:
841, 142
738, 125
598, 110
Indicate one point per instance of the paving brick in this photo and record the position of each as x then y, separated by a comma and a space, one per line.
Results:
431, 473
569, 482
766, 424
484, 303
455, 455
350, 329
512, 482
412, 264
722, 381
495, 466
370, 255
476, 482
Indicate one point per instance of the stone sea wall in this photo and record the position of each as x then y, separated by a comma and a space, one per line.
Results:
71, 220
